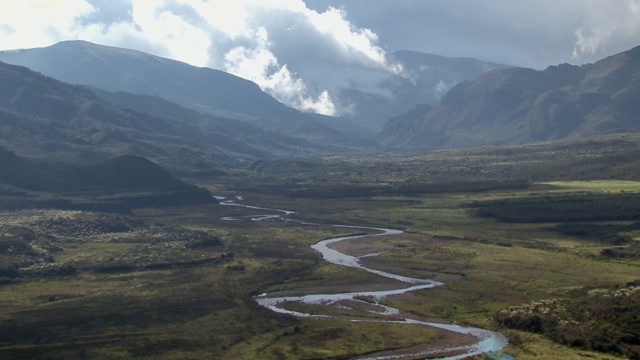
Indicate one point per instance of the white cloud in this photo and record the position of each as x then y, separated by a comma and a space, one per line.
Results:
272, 42
35, 23
279, 44
303, 53
182, 40
260, 65
288, 49
357, 44
442, 87
606, 27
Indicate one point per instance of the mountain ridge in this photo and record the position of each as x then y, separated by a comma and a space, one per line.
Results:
379, 95
518, 105
41, 117
206, 90
124, 172
83, 63
424, 79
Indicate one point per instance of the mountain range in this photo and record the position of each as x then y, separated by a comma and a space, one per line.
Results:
518, 105
41, 117
424, 79
116, 69
200, 121
206, 90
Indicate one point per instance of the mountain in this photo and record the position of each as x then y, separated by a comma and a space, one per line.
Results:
37, 175
405, 123
116, 69
126, 172
135, 172
116, 185
206, 90
424, 80
517, 105
41, 117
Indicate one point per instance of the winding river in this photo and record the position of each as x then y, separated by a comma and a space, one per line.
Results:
487, 341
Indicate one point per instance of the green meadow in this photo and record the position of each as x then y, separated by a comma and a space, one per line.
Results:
178, 282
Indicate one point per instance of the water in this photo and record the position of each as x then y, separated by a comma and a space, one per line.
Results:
489, 342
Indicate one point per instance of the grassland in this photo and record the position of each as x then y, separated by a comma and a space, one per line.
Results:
494, 265
177, 283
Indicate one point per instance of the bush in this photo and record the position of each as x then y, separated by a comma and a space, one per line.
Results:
607, 322
562, 208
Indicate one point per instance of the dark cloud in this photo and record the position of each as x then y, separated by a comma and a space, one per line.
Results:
517, 32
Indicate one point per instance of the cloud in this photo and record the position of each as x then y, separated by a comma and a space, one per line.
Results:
282, 45
33, 23
515, 32
606, 28
442, 87
171, 31
260, 65
289, 49
305, 52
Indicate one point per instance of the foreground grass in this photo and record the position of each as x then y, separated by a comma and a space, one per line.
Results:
322, 339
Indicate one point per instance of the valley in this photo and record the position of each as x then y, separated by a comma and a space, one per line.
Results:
180, 281
459, 208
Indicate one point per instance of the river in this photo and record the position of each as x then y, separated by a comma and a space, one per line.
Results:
488, 342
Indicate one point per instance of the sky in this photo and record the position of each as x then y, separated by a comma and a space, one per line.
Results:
299, 51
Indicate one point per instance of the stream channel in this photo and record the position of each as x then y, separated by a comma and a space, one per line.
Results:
488, 342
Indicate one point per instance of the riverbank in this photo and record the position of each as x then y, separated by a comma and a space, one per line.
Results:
486, 341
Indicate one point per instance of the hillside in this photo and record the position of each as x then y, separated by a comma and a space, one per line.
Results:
35, 175
126, 172
206, 90
425, 79
372, 95
116, 69
518, 105
41, 117
277, 136
116, 185
134, 172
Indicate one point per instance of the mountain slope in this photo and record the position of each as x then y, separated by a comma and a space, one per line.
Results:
517, 105
134, 172
116, 69
36, 175
41, 117
126, 172
44, 118
116, 185
203, 89
425, 79
308, 134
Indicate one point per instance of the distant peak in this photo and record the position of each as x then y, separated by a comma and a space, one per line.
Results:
83, 44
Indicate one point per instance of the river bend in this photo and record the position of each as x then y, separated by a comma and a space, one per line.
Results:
487, 341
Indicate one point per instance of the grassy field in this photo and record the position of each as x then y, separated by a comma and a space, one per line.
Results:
327, 339
177, 283
495, 265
